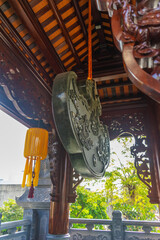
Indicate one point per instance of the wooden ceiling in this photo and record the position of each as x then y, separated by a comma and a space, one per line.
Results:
52, 37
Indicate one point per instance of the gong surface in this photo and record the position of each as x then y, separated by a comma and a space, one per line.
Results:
76, 111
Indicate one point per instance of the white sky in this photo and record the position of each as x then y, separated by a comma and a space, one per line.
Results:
12, 138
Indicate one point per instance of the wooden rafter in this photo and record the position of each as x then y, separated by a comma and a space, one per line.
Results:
28, 18
99, 28
133, 98
18, 42
62, 26
114, 85
115, 76
80, 19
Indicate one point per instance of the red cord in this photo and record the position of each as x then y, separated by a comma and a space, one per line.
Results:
89, 41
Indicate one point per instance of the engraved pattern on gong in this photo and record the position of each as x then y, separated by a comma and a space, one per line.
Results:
87, 125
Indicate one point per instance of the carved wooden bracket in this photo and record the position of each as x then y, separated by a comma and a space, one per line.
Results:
136, 122
136, 34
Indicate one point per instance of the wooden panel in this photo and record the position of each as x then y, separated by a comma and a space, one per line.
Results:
28, 97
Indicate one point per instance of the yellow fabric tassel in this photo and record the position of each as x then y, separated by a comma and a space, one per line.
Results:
37, 170
25, 172
35, 150
29, 179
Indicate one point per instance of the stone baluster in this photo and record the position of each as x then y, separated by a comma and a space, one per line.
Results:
70, 225
27, 229
147, 229
12, 230
89, 226
117, 226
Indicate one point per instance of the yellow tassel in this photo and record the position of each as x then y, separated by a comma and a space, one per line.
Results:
37, 170
25, 172
36, 145
29, 179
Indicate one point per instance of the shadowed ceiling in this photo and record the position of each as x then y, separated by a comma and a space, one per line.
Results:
52, 36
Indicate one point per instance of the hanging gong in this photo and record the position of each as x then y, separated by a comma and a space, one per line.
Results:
76, 111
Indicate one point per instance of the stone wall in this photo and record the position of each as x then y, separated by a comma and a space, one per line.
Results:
10, 191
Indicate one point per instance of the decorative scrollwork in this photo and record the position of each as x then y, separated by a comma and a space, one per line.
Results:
133, 123
79, 236
81, 124
140, 238
142, 160
76, 179
102, 150
53, 151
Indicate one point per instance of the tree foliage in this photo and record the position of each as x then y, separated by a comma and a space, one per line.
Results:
122, 190
11, 211
89, 205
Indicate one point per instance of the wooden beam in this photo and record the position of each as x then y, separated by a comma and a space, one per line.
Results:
7, 106
114, 85
30, 21
122, 99
80, 19
99, 28
61, 24
110, 77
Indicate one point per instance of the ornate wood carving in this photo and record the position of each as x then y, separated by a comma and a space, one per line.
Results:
142, 160
135, 122
64, 183
138, 39
22, 85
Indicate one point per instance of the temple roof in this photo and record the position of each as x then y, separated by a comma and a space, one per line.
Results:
50, 37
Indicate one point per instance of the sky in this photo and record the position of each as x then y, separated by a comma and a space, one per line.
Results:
12, 138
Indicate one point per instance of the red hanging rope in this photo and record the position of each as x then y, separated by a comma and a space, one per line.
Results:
89, 41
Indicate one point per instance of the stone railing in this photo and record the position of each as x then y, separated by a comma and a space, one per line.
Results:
115, 229
8, 230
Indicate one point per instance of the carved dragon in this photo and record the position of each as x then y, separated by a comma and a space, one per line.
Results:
141, 24
136, 33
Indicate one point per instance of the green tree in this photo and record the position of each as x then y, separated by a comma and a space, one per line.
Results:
11, 211
88, 204
122, 190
